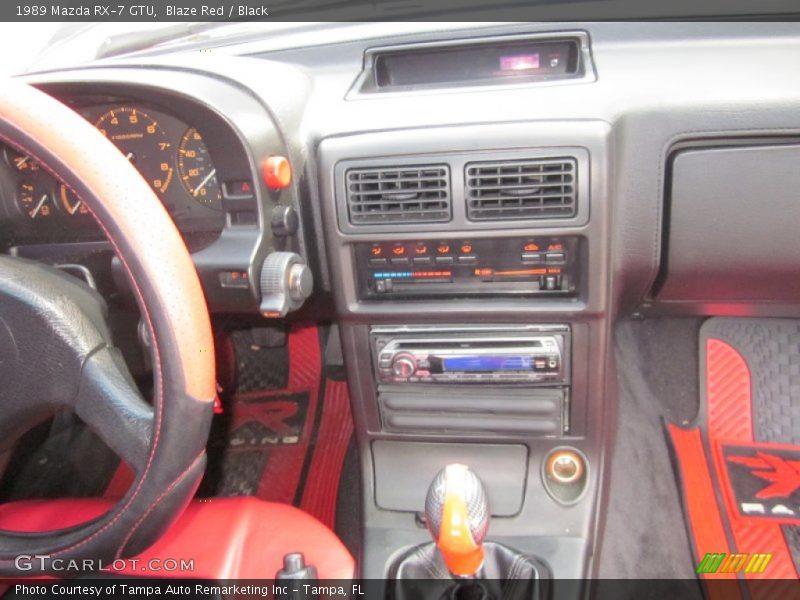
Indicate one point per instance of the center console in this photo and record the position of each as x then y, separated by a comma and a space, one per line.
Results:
469, 270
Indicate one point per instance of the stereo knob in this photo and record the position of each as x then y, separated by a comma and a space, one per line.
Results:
286, 283
404, 365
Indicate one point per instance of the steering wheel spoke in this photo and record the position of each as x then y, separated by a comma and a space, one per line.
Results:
109, 402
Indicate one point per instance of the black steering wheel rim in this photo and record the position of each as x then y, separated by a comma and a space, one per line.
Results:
173, 308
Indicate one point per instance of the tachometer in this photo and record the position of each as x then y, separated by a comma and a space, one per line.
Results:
196, 170
35, 199
142, 141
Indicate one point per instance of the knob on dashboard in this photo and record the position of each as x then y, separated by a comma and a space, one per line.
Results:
286, 282
404, 365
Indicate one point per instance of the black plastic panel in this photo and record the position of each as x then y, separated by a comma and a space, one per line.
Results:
733, 234
501, 62
473, 411
404, 470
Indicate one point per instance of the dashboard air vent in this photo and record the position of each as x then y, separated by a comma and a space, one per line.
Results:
413, 194
542, 188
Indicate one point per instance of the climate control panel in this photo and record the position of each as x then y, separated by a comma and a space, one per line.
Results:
537, 266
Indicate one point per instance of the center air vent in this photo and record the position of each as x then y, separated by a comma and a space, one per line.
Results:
542, 188
413, 194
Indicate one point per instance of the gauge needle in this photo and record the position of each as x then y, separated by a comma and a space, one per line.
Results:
76, 207
20, 162
129, 155
204, 182
39, 206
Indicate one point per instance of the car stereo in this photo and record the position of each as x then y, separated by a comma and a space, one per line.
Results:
525, 267
531, 354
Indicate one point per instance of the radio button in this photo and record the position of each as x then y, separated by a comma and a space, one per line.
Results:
404, 366
531, 258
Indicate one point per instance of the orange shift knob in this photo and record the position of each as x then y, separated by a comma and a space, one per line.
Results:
457, 515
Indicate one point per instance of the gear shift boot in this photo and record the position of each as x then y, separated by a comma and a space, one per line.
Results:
506, 574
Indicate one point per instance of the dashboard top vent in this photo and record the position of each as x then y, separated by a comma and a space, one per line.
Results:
542, 188
408, 194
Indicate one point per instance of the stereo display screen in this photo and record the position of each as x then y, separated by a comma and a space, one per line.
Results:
488, 363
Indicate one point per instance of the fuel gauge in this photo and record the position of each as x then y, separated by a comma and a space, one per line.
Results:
70, 203
34, 199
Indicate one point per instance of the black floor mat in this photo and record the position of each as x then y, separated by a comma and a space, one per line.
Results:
239, 445
258, 367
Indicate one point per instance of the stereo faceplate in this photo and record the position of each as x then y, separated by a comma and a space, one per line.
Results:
527, 354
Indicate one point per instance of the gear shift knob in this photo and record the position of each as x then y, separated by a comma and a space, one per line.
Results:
457, 515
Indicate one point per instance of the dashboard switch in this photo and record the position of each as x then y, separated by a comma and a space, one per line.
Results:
531, 258
284, 221
551, 282
277, 172
286, 283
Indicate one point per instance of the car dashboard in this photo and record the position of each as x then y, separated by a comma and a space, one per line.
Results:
506, 192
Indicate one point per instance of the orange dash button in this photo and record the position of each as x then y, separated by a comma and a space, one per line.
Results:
277, 172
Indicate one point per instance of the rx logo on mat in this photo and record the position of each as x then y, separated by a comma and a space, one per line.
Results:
782, 475
720, 562
763, 480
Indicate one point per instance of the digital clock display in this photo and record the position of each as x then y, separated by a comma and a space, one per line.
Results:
519, 62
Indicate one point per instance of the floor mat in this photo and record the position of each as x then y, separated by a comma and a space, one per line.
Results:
739, 463
283, 435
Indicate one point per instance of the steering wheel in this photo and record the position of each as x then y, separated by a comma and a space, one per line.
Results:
56, 352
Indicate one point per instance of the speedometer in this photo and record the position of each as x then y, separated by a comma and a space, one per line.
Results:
143, 142
197, 172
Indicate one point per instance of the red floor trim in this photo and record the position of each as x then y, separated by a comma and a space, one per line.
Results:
705, 521
282, 472
335, 431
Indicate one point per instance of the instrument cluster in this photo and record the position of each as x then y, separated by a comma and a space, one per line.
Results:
170, 154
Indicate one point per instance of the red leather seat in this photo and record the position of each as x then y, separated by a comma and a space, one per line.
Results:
228, 538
